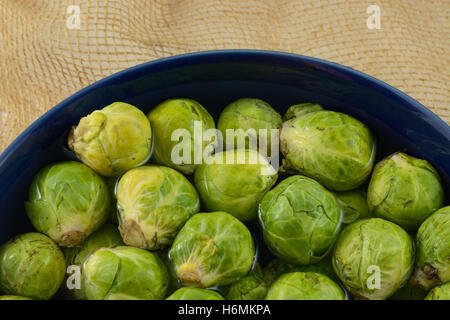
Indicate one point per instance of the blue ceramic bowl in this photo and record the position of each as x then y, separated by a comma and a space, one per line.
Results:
215, 79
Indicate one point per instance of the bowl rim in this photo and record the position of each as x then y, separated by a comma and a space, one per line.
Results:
197, 57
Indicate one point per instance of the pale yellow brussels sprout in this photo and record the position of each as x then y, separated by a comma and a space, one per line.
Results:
112, 140
333, 148
305, 286
235, 181
182, 115
32, 266
68, 201
153, 203
404, 190
373, 258
125, 273
212, 249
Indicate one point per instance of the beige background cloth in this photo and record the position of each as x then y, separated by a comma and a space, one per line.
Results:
42, 61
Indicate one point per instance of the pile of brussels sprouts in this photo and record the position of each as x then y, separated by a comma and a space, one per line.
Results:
128, 222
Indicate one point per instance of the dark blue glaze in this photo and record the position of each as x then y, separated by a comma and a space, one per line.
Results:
216, 78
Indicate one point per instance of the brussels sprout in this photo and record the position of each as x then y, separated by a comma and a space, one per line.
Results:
354, 205
404, 190
9, 297
68, 201
112, 140
439, 293
249, 287
433, 250
246, 117
409, 292
305, 286
31, 265
107, 236
333, 148
275, 268
300, 220
124, 273
373, 258
183, 114
188, 293
212, 249
235, 181
154, 202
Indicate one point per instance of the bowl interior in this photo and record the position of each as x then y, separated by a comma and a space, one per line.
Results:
216, 79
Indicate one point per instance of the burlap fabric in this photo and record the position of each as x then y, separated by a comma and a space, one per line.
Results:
42, 61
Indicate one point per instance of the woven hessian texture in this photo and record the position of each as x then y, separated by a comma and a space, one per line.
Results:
42, 61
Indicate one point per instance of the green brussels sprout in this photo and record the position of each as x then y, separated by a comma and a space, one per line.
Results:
153, 203
277, 267
68, 201
433, 250
300, 220
112, 140
235, 181
9, 297
174, 114
354, 205
439, 293
212, 249
299, 110
331, 147
305, 286
246, 117
124, 273
32, 266
404, 190
409, 292
189, 293
107, 236
249, 287
373, 258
